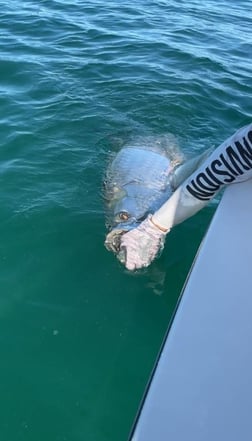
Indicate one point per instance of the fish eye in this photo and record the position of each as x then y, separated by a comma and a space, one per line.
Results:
124, 216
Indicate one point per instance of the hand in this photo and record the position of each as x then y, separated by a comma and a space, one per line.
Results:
141, 245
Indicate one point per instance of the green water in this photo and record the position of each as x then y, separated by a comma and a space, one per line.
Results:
78, 334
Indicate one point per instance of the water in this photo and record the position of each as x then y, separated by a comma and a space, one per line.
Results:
78, 334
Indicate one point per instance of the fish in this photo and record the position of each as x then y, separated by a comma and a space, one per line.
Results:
139, 179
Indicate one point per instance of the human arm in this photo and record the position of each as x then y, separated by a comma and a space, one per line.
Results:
231, 162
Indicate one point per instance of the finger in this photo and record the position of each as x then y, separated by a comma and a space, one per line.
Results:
121, 256
133, 260
124, 257
130, 266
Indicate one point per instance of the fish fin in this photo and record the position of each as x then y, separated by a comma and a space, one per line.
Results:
184, 170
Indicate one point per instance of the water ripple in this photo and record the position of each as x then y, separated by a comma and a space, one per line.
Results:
73, 73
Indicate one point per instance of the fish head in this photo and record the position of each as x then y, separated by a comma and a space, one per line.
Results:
128, 212
126, 217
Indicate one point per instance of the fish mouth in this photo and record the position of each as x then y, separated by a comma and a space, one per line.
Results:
114, 236
113, 240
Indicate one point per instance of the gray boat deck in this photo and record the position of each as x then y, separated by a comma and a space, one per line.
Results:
202, 387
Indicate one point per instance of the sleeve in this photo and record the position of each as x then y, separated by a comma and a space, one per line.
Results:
231, 162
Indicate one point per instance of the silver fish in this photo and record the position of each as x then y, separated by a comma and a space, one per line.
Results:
140, 178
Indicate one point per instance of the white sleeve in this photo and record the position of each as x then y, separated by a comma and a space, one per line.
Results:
231, 162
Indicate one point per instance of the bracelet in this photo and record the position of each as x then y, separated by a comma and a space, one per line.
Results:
164, 230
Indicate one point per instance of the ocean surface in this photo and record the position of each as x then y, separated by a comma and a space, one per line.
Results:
78, 333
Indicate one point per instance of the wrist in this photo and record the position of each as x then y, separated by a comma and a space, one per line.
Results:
158, 226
